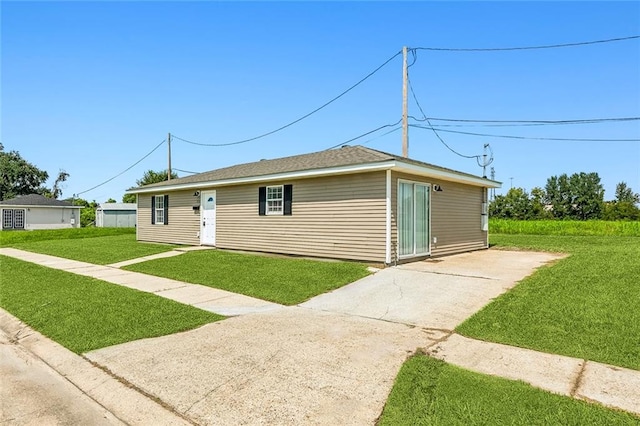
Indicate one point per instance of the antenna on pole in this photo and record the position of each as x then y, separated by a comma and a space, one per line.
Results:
486, 161
405, 106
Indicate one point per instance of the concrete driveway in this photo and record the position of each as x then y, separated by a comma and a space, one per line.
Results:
438, 293
329, 361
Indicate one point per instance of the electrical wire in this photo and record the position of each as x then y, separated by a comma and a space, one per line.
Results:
415, 98
186, 171
548, 46
299, 119
579, 121
125, 170
364, 134
525, 137
384, 134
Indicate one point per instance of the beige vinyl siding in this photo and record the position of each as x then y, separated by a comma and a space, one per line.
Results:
335, 217
184, 222
455, 216
456, 219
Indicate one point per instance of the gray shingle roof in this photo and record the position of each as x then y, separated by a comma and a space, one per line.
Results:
35, 200
345, 156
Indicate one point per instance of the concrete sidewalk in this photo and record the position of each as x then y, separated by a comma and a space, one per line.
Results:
591, 381
332, 360
210, 299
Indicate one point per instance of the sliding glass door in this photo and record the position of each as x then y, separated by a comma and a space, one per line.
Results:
413, 219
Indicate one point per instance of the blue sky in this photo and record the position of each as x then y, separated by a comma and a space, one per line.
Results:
91, 87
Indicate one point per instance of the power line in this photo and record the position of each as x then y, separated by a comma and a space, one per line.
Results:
548, 46
299, 119
364, 134
125, 170
526, 137
579, 121
415, 98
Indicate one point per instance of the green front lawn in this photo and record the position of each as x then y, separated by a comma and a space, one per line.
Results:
281, 280
98, 250
9, 238
429, 392
585, 306
83, 313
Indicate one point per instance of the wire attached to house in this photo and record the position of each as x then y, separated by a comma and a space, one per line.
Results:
548, 46
524, 137
125, 170
186, 171
365, 134
299, 119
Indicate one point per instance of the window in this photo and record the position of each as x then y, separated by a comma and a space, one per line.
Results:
275, 200
160, 210
413, 219
13, 218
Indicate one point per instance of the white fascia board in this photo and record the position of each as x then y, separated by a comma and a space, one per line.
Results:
358, 168
450, 176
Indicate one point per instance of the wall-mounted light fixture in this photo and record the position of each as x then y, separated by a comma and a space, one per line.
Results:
437, 188
196, 194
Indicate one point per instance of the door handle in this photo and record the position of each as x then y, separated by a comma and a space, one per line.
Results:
204, 223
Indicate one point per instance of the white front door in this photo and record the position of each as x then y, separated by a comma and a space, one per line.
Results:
208, 218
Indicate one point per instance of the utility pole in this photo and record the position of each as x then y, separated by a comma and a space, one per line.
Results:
169, 146
405, 106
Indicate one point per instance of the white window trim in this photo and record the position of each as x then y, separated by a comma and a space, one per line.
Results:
156, 209
281, 199
414, 254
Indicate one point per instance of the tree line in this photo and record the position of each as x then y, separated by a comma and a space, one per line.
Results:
576, 197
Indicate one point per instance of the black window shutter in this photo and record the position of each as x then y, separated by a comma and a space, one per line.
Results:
166, 209
262, 200
288, 197
153, 210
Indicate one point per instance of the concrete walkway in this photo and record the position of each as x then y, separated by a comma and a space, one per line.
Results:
210, 299
330, 360
609, 385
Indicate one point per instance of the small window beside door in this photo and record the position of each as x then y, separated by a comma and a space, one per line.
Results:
160, 210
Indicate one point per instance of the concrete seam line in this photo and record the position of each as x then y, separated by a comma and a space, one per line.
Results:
578, 381
130, 385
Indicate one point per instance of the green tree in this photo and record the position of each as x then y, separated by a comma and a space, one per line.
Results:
18, 176
149, 177
111, 200
579, 196
587, 195
624, 206
626, 194
516, 204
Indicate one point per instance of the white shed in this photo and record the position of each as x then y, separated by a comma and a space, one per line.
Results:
116, 215
35, 211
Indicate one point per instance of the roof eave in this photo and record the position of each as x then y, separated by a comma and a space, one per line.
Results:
350, 169
395, 165
448, 175
39, 206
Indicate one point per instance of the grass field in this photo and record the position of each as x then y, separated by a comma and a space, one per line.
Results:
9, 238
83, 313
281, 280
429, 392
98, 250
585, 306
565, 227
